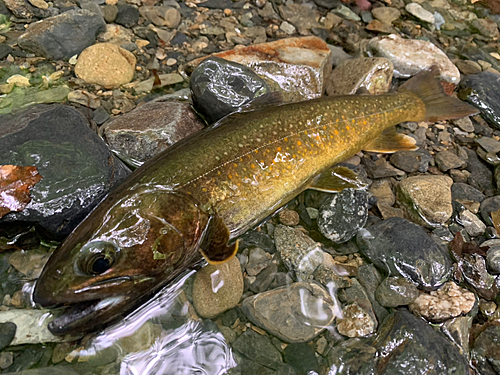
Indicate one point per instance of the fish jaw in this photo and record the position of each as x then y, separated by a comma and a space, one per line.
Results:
147, 238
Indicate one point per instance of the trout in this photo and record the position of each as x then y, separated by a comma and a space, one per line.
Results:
194, 199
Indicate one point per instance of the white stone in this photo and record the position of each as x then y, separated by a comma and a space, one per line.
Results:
472, 224
419, 12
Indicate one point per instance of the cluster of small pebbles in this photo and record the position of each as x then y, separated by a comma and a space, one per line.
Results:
402, 274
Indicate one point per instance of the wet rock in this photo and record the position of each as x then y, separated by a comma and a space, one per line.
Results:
259, 349
106, 64
147, 130
426, 199
7, 334
53, 37
480, 175
472, 224
447, 160
489, 144
289, 217
483, 91
461, 191
127, 16
6, 359
447, 302
493, 259
422, 14
31, 326
298, 252
219, 87
396, 291
341, 216
140, 340
380, 168
485, 353
297, 67
77, 167
370, 279
311, 307
488, 206
382, 189
371, 73
411, 161
400, 248
386, 15
353, 356
335, 273
355, 322
410, 56
217, 288
458, 329
264, 279
257, 261
473, 269
29, 263
301, 357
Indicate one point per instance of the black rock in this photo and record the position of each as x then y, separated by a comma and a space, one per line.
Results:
127, 16
100, 116
218, 4
255, 238
341, 216
7, 333
411, 161
481, 176
328, 4
77, 167
466, 192
404, 344
178, 39
483, 91
259, 349
301, 357
486, 352
219, 87
5, 50
399, 247
54, 37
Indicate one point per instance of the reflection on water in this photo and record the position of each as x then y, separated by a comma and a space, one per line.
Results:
188, 349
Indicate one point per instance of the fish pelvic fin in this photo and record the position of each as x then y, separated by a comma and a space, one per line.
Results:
215, 248
336, 179
438, 105
391, 141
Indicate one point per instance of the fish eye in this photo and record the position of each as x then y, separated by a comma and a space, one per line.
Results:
97, 257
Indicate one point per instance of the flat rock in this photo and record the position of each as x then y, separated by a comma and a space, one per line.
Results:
480, 176
138, 135
489, 144
410, 56
371, 73
472, 224
161, 15
486, 351
399, 247
382, 190
106, 64
447, 160
411, 161
355, 321
259, 349
462, 191
386, 15
217, 288
54, 37
396, 291
127, 15
77, 167
7, 334
426, 199
297, 67
419, 12
295, 313
219, 87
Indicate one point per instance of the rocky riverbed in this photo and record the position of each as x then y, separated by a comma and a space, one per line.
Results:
400, 277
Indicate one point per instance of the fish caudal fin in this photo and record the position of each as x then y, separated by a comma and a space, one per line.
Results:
438, 105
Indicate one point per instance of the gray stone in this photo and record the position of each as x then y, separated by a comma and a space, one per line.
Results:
400, 248
396, 291
493, 259
257, 261
488, 206
301, 16
301, 357
54, 37
481, 176
259, 349
369, 277
356, 294
464, 124
459, 330
341, 216
383, 191
146, 131
386, 15
77, 167
346, 13
295, 313
486, 351
486, 27
411, 161
489, 144
447, 160
127, 16
473, 269
380, 168
472, 224
109, 12
7, 334
355, 321
416, 10
461, 191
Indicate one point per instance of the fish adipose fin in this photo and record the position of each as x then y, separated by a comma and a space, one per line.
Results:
391, 141
215, 248
337, 179
438, 105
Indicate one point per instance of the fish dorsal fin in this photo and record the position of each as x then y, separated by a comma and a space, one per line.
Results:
391, 141
215, 248
337, 179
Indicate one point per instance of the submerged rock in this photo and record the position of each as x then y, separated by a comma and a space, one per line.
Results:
485, 353
400, 248
396, 291
355, 321
259, 349
295, 313
31, 326
78, 169
219, 87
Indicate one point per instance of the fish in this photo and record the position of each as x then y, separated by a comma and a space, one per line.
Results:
192, 201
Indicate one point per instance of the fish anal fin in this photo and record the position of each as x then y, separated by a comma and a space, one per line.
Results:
215, 248
337, 179
391, 141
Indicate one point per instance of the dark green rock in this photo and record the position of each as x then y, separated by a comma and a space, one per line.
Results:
7, 333
27, 359
219, 87
396, 291
369, 277
301, 357
259, 349
486, 351
399, 247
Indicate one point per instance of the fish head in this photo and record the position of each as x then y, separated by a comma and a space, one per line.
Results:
125, 249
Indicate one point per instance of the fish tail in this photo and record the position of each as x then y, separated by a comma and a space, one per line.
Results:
438, 105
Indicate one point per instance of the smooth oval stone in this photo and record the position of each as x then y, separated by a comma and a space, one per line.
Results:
295, 313
219, 87
396, 291
399, 247
493, 259
488, 206
7, 334
342, 215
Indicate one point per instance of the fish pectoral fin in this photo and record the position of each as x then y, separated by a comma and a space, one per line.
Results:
391, 141
215, 248
337, 179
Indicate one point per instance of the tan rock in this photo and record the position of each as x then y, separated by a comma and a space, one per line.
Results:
41, 4
19, 80
356, 322
106, 64
217, 288
447, 302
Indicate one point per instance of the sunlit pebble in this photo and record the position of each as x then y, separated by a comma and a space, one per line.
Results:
228, 12
171, 61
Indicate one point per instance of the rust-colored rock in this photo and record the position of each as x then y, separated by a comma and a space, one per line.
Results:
15, 183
